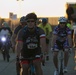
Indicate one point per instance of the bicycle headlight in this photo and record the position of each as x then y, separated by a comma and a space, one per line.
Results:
3, 39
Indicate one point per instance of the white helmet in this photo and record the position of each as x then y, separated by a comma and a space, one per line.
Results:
62, 19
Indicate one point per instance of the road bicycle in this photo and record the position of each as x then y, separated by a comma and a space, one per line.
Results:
31, 69
5, 48
61, 58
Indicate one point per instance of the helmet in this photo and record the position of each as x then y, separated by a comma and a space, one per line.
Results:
5, 24
31, 16
44, 20
62, 19
23, 19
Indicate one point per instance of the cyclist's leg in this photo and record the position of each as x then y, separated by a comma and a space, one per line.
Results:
55, 59
55, 56
47, 51
66, 58
38, 68
66, 54
75, 38
24, 66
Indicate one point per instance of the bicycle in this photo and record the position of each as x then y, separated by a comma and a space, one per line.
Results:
61, 63
5, 48
61, 72
31, 69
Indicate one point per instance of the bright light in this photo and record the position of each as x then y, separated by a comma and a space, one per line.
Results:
3, 39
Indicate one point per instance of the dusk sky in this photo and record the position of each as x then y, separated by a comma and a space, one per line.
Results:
43, 8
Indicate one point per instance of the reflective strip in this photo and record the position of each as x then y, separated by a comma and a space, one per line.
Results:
37, 56
42, 35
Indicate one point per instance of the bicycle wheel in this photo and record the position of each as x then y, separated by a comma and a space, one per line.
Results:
3, 53
61, 64
61, 70
32, 70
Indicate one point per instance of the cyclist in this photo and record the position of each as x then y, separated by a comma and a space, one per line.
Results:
19, 27
61, 35
48, 30
6, 28
6, 31
74, 38
30, 43
69, 24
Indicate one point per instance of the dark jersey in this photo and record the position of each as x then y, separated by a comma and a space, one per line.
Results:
17, 29
31, 41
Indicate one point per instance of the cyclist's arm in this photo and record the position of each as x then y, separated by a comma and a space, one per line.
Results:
43, 42
69, 32
75, 35
53, 40
14, 35
18, 48
19, 43
13, 39
54, 36
70, 40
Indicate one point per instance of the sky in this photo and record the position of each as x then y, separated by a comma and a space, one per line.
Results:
43, 8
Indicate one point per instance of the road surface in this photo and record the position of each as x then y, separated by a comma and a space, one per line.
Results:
9, 68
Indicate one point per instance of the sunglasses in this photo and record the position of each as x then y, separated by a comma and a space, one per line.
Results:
62, 23
30, 21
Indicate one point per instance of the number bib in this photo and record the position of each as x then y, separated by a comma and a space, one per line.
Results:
32, 46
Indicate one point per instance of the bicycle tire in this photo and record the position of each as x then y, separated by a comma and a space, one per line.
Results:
3, 53
61, 71
31, 73
61, 66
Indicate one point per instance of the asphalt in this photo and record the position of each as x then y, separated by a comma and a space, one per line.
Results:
9, 68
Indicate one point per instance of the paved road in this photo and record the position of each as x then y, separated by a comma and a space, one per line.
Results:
8, 68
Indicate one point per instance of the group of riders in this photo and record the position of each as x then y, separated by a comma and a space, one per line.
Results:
30, 39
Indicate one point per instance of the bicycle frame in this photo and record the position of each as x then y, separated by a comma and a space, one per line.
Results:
61, 63
31, 66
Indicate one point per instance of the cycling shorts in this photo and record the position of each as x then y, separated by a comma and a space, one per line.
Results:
65, 46
27, 62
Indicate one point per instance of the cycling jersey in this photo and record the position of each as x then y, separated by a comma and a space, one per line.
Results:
61, 36
75, 31
47, 29
17, 29
69, 25
61, 33
31, 41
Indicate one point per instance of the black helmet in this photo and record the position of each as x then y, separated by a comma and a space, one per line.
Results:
23, 19
31, 16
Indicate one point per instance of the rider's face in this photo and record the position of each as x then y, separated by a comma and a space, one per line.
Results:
62, 24
31, 23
